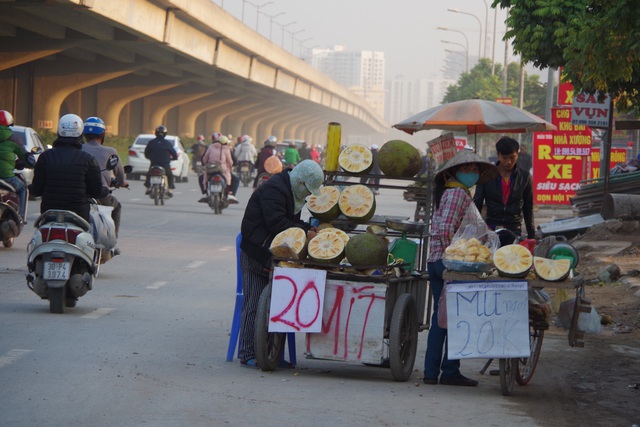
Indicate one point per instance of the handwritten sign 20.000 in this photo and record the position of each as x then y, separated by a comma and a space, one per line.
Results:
488, 319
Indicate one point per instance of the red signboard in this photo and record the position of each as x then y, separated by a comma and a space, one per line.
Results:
565, 91
507, 101
556, 177
569, 139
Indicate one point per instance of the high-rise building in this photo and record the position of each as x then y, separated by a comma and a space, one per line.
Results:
408, 97
360, 71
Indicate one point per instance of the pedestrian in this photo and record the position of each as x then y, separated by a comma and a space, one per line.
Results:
160, 152
9, 152
509, 196
65, 177
452, 199
94, 133
273, 207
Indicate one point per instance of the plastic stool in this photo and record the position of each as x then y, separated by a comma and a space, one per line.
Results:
237, 312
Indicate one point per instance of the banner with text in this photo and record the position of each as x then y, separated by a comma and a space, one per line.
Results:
443, 148
569, 139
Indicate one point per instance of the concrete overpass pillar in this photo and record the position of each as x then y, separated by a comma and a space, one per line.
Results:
188, 113
156, 106
233, 117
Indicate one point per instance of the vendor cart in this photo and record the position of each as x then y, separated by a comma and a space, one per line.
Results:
372, 319
520, 369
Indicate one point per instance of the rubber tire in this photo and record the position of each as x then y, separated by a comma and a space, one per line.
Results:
57, 299
216, 204
269, 345
508, 369
245, 178
527, 365
7, 243
403, 337
156, 196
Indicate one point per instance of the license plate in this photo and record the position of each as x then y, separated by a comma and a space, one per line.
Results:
156, 180
56, 270
244, 168
215, 188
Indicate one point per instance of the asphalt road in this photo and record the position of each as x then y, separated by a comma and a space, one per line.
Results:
147, 345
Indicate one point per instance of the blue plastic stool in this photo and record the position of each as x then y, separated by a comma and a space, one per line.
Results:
237, 311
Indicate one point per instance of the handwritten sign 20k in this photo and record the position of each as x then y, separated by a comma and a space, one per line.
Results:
488, 319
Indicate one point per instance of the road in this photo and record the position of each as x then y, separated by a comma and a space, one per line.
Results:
147, 345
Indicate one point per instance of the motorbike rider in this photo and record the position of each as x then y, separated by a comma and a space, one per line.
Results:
94, 133
219, 151
65, 177
267, 151
291, 155
246, 152
198, 149
160, 152
8, 152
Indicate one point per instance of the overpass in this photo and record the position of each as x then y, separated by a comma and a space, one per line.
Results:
187, 64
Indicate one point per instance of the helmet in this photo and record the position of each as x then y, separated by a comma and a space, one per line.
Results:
238, 139
223, 140
245, 138
70, 126
200, 138
306, 177
271, 141
94, 126
161, 131
6, 119
215, 137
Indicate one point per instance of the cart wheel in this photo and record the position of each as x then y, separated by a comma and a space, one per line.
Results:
508, 368
527, 365
403, 337
269, 345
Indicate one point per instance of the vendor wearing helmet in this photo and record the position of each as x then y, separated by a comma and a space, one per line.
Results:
452, 199
219, 151
65, 176
160, 152
9, 150
272, 208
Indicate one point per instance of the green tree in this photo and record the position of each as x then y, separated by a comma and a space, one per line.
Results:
597, 42
479, 83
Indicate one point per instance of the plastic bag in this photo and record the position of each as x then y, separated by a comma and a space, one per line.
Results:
103, 229
473, 245
589, 323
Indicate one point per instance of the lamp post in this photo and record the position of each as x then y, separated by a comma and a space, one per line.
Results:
283, 27
479, 23
466, 50
293, 34
301, 42
243, 2
466, 39
258, 7
486, 27
271, 19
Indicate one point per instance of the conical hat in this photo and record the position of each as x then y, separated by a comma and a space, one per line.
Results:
487, 169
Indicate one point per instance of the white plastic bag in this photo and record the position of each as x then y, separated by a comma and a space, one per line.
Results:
103, 229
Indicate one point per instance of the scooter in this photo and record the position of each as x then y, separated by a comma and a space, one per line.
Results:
216, 188
62, 258
158, 185
244, 169
10, 219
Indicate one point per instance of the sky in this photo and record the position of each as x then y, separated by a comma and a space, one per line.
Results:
405, 30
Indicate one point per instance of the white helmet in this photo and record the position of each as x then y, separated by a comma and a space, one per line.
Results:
70, 126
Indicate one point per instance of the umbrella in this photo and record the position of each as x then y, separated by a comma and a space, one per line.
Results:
475, 116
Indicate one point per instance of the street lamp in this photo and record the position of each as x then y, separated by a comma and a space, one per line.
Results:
283, 27
293, 34
301, 42
466, 50
465, 38
258, 7
272, 18
243, 2
479, 23
486, 27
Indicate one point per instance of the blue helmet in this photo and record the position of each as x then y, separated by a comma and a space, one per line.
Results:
94, 126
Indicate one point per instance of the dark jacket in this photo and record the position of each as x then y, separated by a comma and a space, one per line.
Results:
519, 205
269, 211
66, 177
160, 152
264, 154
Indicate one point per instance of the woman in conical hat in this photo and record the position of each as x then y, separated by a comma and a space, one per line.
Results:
452, 199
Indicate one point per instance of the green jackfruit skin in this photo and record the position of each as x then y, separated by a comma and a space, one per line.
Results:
399, 159
367, 249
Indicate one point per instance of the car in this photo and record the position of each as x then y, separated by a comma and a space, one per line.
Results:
28, 139
140, 164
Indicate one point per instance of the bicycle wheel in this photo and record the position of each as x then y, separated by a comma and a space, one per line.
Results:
508, 368
527, 365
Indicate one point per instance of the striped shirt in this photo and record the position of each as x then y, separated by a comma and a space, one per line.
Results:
446, 219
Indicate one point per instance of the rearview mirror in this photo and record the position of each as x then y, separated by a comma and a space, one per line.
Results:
112, 162
128, 169
36, 150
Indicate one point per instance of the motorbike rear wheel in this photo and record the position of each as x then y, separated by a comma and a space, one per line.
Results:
216, 204
7, 243
57, 299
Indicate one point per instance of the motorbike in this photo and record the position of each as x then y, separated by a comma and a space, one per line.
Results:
216, 188
10, 219
244, 170
158, 185
62, 258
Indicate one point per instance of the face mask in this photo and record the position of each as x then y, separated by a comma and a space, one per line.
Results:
468, 179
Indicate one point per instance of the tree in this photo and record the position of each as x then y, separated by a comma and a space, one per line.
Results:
479, 83
596, 41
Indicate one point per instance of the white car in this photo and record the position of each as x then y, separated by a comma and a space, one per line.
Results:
28, 139
140, 164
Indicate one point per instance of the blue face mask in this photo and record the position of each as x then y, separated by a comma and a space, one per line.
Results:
468, 179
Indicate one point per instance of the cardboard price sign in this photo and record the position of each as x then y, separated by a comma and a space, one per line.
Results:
443, 148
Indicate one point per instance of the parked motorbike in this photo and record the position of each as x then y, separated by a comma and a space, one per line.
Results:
62, 258
244, 169
10, 219
158, 185
216, 188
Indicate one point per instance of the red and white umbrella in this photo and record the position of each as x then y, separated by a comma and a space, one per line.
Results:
475, 116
